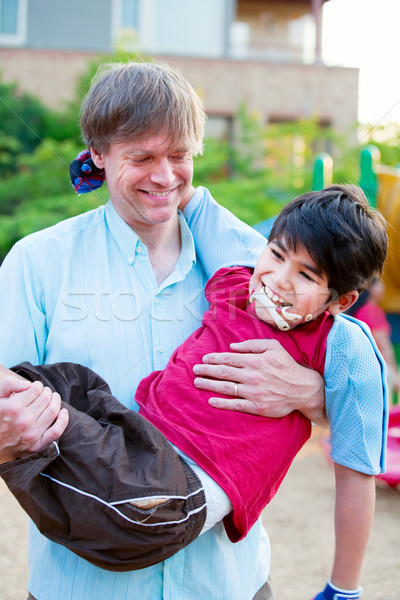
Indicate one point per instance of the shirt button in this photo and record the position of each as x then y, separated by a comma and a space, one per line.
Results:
161, 349
130, 260
155, 300
139, 249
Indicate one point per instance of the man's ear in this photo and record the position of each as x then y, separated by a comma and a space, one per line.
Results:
343, 302
97, 158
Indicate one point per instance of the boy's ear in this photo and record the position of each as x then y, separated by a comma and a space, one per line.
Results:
343, 302
97, 158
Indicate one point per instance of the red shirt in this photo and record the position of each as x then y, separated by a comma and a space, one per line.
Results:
247, 455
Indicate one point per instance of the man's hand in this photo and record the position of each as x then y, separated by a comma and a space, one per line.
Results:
270, 382
30, 417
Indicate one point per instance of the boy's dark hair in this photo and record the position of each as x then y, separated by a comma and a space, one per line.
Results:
345, 237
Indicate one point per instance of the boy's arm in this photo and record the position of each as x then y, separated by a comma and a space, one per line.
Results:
354, 511
356, 406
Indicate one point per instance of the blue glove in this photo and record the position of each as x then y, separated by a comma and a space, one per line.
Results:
331, 592
85, 176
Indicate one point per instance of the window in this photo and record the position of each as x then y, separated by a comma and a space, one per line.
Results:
13, 22
129, 14
125, 22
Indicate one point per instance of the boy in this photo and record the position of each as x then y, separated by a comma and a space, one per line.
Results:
323, 250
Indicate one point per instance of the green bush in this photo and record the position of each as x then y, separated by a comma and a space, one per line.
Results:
40, 194
26, 122
40, 174
45, 211
10, 148
22, 116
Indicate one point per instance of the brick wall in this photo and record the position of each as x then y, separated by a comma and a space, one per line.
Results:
273, 91
49, 75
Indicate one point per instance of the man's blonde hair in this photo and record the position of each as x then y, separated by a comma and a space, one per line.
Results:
133, 100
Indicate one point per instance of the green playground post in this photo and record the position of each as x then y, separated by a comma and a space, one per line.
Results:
322, 173
369, 161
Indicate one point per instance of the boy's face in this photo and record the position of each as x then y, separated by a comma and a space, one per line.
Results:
293, 286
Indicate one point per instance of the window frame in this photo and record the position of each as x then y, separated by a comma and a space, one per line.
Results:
19, 37
117, 25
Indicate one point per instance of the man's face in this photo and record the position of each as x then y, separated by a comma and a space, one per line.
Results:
146, 178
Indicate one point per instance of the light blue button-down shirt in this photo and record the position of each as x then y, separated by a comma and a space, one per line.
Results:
84, 291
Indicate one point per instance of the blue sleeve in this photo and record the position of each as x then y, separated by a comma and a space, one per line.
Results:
356, 397
221, 239
22, 318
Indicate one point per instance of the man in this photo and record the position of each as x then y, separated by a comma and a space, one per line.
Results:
117, 289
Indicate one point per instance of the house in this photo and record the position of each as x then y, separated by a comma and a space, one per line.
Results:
264, 53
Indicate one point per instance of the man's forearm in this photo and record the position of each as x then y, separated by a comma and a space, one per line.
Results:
312, 391
238, 243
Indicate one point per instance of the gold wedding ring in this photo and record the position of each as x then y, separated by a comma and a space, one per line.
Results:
235, 393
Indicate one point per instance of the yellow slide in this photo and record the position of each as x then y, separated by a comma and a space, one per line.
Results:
388, 202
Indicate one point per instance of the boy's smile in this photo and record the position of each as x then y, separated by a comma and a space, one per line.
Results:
289, 288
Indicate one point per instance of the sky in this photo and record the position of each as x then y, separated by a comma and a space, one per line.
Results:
365, 34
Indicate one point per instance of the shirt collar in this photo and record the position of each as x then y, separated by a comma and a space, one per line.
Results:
187, 257
124, 236
130, 244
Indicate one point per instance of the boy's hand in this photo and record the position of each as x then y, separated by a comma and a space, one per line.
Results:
331, 592
30, 418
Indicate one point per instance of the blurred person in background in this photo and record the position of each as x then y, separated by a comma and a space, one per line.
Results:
368, 310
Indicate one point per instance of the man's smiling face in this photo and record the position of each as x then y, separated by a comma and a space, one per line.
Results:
146, 179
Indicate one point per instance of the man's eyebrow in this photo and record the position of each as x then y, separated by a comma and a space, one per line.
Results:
137, 151
141, 151
179, 151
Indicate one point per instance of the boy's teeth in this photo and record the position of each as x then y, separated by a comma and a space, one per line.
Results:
273, 296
